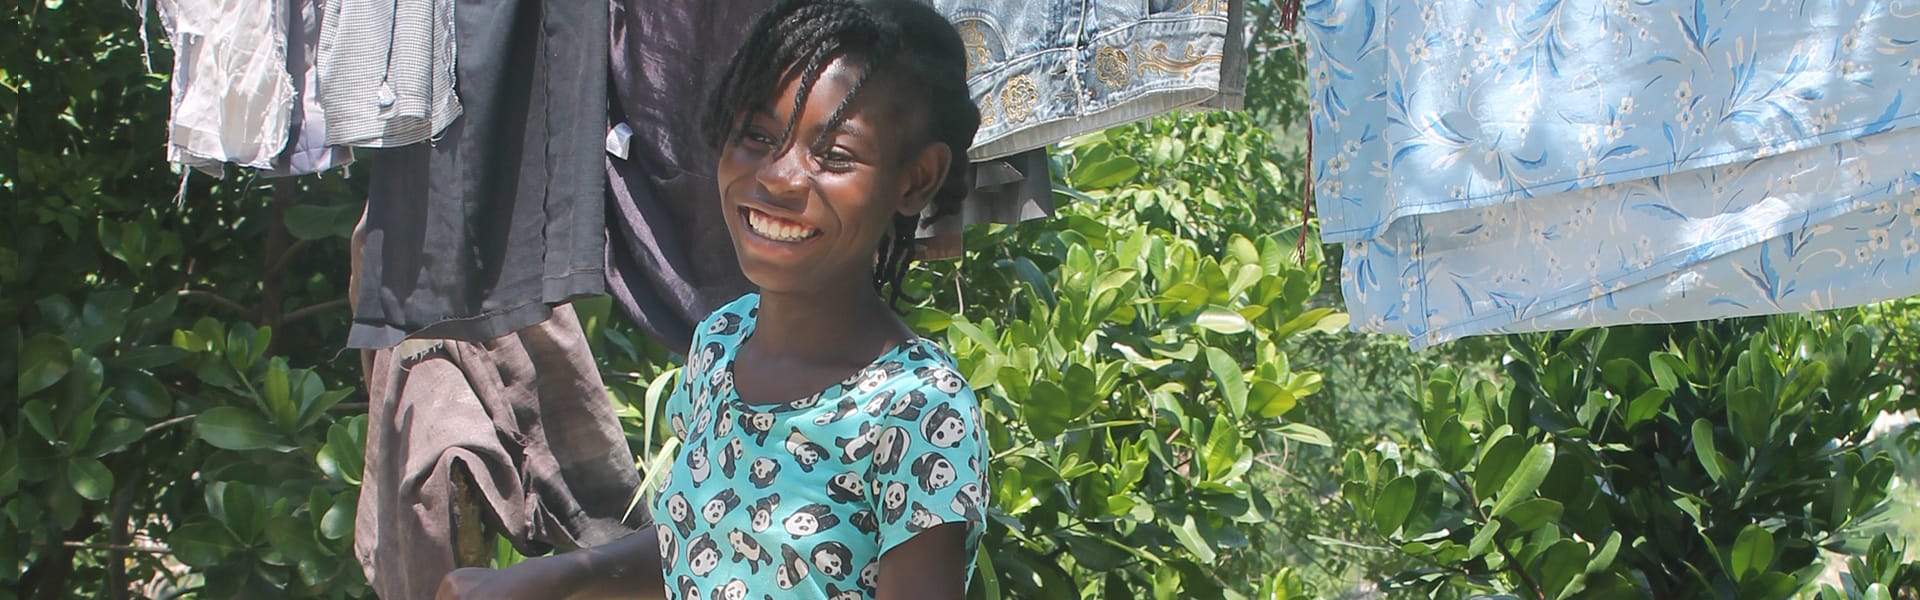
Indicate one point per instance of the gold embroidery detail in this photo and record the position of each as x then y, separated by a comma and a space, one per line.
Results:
975, 41
1158, 57
988, 116
1019, 98
1205, 7
1112, 67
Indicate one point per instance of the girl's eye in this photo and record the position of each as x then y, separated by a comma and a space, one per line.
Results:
754, 135
835, 160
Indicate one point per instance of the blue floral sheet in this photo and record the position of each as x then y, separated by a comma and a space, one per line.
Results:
1534, 165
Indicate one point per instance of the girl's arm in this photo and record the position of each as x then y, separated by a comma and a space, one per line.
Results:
628, 568
930, 565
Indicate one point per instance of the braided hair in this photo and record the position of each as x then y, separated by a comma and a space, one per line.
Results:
907, 39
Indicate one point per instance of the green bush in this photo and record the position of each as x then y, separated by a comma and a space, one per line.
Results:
1704, 460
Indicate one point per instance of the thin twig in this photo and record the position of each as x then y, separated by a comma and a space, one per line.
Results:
112, 547
286, 256
308, 311
218, 300
170, 422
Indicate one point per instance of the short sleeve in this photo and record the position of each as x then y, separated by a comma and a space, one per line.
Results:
927, 468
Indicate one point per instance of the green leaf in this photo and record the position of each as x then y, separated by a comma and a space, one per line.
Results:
1703, 449
1222, 321
201, 543
1604, 558
1560, 564
278, 394
1752, 553
1647, 406
1533, 513
311, 222
40, 415
1189, 536
1526, 477
1233, 385
1749, 415
44, 360
338, 521
234, 428
1390, 508
115, 434
1484, 538
1046, 410
1667, 368
90, 479
1304, 433
1092, 175
1497, 464
147, 357
1453, 445
1270, 401
142, 395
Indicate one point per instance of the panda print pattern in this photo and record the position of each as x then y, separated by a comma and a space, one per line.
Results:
801, 499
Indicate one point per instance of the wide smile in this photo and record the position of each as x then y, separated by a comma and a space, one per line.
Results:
775, 228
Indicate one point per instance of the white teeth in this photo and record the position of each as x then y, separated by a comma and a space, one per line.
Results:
776, 229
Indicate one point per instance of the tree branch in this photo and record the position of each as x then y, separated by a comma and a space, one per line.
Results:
308, 311
218, 300
111, 547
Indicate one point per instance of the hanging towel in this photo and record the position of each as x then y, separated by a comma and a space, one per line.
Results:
307, 150
1524, 166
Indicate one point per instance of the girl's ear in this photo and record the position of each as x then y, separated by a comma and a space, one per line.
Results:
925, 176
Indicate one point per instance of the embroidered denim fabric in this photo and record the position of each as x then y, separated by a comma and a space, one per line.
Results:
1531, 165
1046, 70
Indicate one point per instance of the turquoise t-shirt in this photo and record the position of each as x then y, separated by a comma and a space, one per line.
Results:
800, 499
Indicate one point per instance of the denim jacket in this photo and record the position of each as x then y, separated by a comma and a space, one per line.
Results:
1046, 70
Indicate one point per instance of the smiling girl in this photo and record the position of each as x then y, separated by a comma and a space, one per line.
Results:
827, 450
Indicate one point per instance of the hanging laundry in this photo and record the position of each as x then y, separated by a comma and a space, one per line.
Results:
243, 87
1046, 70
475, 235
232, 96
1528, 166
513, 433
307, 150
670, 258
386, 70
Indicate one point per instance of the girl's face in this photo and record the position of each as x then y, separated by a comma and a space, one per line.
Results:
808, 216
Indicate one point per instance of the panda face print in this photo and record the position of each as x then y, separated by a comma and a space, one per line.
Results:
922, 519
804, 403
669, 551
967, 501
703, 556
793, 568
835, 593
731, 590
722, 426
893, 501
730, 455
908, 407
719, 506
934, 471
853, 449
892, 449
941, 378
681, 512
688, 589
833, 559
748, 550
870, 575
703, 360
845, 407
757, 424
865, 521
724, 324
805, 452
812, 519
871, 379
944, 427
679, 425
761, 473
697, 464
763, 512
702, 418
878, 402
846, 488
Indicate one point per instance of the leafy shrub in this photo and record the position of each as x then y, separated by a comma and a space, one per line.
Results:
1703, 460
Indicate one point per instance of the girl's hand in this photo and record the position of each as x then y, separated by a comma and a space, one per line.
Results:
529, 579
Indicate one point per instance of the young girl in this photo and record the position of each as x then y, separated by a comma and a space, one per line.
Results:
827, 451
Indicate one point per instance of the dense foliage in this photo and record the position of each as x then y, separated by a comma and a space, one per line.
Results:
1168, 387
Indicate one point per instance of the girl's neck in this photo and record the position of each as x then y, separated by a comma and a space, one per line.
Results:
841, 324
